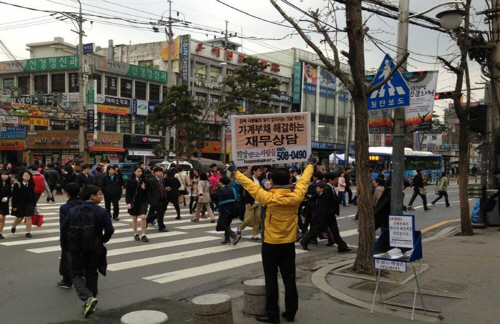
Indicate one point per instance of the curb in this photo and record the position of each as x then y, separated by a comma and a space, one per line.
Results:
318, 278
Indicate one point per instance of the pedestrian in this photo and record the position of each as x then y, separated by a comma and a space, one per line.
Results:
172, 186
157, 199
348, 184
203, 199
310, 202
99, 175
72, 193
59, 187
182, 177
87, 250
213, 178
442, 190
418, 190
53, 180
341, 189
137, 202
192, 187
326, 212
228, 210
112, 189
41, 185
379, 185
280, 230
5, 195
252, 207
23, 201
84, 178
382, 207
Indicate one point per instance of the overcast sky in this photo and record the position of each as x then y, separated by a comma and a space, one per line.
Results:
207, 18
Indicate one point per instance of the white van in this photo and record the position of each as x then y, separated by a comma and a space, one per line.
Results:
186, 166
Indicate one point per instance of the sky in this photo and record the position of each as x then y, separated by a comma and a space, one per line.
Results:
132, 22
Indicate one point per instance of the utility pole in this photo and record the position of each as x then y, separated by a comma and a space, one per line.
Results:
168, 31
224, 74
82, 148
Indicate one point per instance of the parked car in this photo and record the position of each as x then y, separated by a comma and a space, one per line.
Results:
186, 166
127, 169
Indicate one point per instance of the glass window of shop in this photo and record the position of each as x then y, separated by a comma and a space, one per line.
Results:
7, 83
42, 83
110, 123
126, 124
74, 82
153, 131
98, 78
140, 90
214, 132
110, 86
325, 132
310, 102
58, 83
343, 104
322, 105
313, 128
330, 106
341, 136
24, 85
215, 72
126, 88
154, 92
140, 124
276, 109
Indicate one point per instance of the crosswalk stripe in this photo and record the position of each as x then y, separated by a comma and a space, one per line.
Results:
201, 225
206, 269
148, 247
176, 256
112, 241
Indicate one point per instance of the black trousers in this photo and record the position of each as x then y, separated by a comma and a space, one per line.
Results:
416, 192
349, 194
320, 225
308, 214
157, 212
108, 200
84, 273
175, 202
441, 195
282, 257
193, 200
65, 266
224, 223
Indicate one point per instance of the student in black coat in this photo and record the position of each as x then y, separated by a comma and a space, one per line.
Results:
227, 208
23, 201
172, 185
157, 199
84, 178
5, 195
112, 190
137, 202
418, 184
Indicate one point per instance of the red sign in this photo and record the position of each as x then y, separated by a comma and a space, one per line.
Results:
12, 145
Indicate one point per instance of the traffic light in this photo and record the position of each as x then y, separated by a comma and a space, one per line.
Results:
443, 95
478, 119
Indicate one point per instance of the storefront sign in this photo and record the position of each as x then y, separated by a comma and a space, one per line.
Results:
281, 97
30, 121
271, 139
297, 82
112, 110
107, 142
13, 129
401, 231
12, 145
9, 120
185, 47
45, 99
41, 64
140, 107
52, 139
310, 78
326, 83
13, 134
152, 105
90, 121
118, 102
135, 71
58, 123
144, 140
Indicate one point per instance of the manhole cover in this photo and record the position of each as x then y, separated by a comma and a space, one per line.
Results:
473, 242
444, 287
432, 303
370, 287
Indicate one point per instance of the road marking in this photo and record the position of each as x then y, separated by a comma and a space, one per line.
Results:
113, 240
208, 268
177, 256
439, 224
201, 225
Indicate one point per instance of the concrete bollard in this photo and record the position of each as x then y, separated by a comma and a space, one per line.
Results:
255, 297
212, 309
144, 317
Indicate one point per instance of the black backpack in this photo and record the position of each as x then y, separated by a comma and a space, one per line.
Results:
81, 232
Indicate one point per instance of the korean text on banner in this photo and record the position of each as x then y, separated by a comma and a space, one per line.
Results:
271, 138
401, 231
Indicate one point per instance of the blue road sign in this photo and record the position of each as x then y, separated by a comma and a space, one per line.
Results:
394, 94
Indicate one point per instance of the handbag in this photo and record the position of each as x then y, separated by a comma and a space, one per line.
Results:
36, 219
489, 205
422, 191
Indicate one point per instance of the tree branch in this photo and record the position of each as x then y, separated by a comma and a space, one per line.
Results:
449, 65
372, 88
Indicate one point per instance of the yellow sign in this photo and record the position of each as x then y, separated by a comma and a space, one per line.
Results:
30, 121
174, 52
112, 110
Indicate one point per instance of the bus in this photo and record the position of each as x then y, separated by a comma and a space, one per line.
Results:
381, 160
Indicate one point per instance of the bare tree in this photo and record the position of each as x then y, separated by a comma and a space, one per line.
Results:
461, 70
359, 90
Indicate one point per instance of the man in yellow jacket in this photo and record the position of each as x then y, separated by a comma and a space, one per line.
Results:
280, 231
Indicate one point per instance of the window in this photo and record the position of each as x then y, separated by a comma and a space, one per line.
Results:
164, 92
98, 77
152, 131
7, 83
140, 90
58, 83
24, 85
140, 124
110, 86
99, 122
74, 83
434, 137
41, 83
126, 124
126, 88
110, 123
154, 92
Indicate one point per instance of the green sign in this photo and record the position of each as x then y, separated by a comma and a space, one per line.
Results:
42, 64
135, 71
297, 82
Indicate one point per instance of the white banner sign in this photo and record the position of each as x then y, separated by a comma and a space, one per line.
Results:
422, 90
401, 231
390, 265
9, 120
271, 138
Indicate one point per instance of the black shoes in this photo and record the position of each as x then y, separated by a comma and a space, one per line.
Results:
346, 250
64, 284
1, 236
136, 237
13, 229
304, 245
288, 317
28, 235
225, 242
163, 230
330, 244
116, 218
267, 319
178, 217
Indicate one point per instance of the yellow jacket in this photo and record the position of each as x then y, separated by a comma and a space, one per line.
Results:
280, 224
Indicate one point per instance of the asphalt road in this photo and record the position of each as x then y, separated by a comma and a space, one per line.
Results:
187, 261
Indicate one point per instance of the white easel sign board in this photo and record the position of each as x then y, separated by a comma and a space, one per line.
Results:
401, 231
390, 265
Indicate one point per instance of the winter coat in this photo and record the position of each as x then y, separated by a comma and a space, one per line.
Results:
204, 191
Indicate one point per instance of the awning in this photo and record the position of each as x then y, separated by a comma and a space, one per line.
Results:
141, 152
106, 149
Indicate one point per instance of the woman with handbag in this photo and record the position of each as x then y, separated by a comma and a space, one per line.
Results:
23, 201
203, 199
442, 190
137, 202
418, 190
192, 187
182, 177
5, 195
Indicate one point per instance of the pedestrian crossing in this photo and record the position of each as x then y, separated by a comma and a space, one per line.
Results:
188, 249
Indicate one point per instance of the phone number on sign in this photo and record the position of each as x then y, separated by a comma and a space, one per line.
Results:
283, 155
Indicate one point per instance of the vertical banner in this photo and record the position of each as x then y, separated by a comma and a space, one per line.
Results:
418, 116
185, 47
297, 82
327, 81
271, 138
380, 121
310, 78
90, 121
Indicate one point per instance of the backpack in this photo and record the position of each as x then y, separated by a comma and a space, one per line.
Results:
39, 183
81, 231
236, 186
